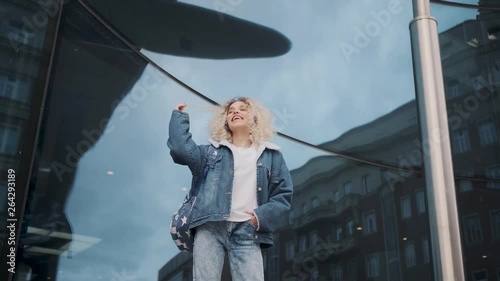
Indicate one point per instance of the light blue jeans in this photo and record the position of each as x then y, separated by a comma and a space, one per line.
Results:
213, 239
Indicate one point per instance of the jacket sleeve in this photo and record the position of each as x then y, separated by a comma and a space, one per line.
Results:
270, 214
183, 149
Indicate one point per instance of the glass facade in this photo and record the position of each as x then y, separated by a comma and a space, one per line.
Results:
27, 33
84, 125
470, 51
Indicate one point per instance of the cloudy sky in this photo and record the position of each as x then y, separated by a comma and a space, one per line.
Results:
324, 91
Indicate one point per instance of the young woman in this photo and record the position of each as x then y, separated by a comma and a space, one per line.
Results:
247, 188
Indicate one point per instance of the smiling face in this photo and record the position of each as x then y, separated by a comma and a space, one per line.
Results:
238, 116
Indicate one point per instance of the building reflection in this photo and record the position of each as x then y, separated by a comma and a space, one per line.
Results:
356, 221
471, 65
22, 56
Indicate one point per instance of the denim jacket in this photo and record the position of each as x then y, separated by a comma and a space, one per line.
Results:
274, 184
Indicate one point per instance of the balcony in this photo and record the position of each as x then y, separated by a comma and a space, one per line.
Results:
325, 249
328, 210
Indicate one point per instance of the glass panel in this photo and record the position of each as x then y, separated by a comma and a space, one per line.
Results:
83, 217
470, 49
286, 63
367, 229
106, 185
25, 37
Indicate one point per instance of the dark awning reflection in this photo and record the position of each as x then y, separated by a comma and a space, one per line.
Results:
181, 29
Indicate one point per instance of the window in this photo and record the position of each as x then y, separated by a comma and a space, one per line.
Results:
472, 229
347, 188
405, 207
369, 223
177, 277
290, 250
352, 270
480, 275
337, 272
410, 257
420, 198
350, 227
487, 132
14, 88
425, 250
336, 196
304, 208
453, 90
493, 173
460, 140
338, 233
315, 202
9, 139
303, 244
372, 266
313, 237
364, 183
315, 275
478, 82
16, 27
495, 224
465, 185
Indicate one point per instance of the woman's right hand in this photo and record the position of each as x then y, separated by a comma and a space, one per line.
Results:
181, 106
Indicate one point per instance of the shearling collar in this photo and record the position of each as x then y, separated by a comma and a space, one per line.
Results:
261, 147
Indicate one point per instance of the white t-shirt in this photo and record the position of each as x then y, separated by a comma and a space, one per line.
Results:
244, 196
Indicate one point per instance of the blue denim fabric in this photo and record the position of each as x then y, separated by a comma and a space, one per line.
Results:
274, 183
213, 239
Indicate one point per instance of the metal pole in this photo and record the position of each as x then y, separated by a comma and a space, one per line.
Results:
443, 216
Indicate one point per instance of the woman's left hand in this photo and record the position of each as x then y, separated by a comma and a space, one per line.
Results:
253, 219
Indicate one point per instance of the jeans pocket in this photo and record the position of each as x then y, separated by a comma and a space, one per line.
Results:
245, 231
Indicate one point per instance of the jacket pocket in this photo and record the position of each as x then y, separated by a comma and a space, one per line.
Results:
211, 181
213, 161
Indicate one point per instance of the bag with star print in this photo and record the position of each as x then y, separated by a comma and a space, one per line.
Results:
179, 229
182, 235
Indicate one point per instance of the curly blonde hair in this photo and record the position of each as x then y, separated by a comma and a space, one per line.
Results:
261, 128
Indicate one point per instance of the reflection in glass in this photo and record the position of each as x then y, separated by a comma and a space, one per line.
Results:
23, 30
100, 197
91, 75
187, 30
316, 91
470, 50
